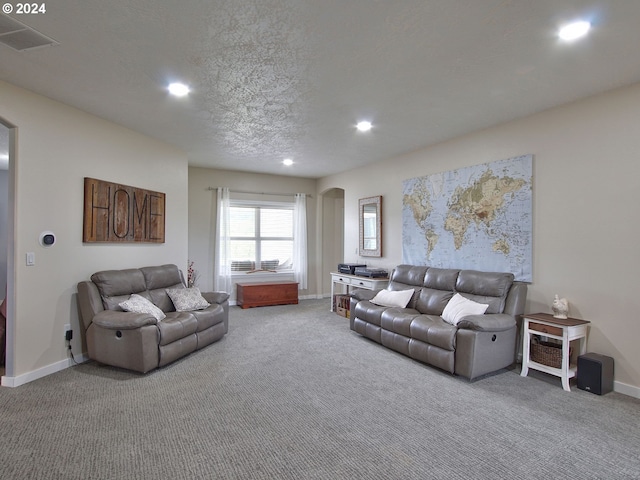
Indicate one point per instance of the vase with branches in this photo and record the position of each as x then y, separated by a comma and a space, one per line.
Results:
192, 274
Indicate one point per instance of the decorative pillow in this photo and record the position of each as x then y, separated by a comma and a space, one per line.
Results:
459, 307
187, 299
139, 304
391, 298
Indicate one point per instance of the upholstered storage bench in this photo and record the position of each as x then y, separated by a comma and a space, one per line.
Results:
477, 345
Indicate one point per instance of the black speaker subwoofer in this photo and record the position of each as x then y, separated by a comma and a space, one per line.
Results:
595, 373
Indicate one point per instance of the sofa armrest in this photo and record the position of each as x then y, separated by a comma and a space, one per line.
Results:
361, 294
115, 320
215, 297
492, 322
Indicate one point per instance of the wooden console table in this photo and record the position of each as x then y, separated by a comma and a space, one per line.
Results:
565, 330
357, 282
266, 294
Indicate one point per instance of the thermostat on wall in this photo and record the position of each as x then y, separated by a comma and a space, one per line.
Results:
47, 239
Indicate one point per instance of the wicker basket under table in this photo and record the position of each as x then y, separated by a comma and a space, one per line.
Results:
547, 353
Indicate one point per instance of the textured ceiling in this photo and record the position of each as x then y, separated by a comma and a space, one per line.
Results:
275, 79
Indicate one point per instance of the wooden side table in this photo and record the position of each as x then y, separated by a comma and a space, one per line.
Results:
565, 330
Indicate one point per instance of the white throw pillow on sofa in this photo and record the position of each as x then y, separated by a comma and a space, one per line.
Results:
139, 304
187, 299
459, 307
390, 298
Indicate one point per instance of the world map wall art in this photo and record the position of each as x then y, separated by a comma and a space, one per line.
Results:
476, 218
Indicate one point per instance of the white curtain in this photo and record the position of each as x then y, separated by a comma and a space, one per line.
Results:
222, 266
300, 240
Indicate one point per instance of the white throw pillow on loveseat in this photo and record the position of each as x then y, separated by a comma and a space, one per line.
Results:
138, 304
187, 299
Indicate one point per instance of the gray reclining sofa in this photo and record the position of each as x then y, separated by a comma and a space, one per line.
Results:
138, 341
477, 345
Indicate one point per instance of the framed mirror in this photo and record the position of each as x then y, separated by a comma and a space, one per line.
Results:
370, 213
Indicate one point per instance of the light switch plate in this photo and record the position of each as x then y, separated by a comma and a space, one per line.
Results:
31, 259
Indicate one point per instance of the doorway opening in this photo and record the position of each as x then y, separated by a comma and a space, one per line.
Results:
7, 139
332, 235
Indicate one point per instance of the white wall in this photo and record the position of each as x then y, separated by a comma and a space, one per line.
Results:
202, 214
57, 146
586, 204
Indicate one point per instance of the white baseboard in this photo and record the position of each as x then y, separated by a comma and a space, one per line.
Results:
310, 297
625, 389
41, 372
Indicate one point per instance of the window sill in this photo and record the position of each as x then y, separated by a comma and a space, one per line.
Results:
242, 276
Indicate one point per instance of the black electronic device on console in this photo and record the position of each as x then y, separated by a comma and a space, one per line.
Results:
349, 268
371, 272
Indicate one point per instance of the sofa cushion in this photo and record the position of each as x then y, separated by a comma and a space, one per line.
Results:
208, 317
187, 299
491, 288
163, 276
160, 298
431, 301
368, 312
408, 274
176, 326
390, 298
160, 278
119, 284
136, 303
441, 278
405, 276
432, 330
398, 320
460, 307
113, 303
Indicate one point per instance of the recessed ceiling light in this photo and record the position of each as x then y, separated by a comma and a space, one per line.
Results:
178, 89
363, 126
573, 31
287, 161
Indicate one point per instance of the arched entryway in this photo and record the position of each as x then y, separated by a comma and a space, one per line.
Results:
332, 218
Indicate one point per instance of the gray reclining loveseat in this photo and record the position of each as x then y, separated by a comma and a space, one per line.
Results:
140, 341
477, 345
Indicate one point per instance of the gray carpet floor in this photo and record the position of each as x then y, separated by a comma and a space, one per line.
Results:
292, 393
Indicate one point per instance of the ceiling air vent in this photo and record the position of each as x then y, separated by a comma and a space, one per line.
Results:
20, 37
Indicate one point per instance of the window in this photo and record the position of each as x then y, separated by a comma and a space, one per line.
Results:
261, 236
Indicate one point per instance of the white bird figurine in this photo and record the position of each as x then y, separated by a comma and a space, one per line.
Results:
560, 307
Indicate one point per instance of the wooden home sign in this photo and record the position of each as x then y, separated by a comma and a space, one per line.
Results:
119, 213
